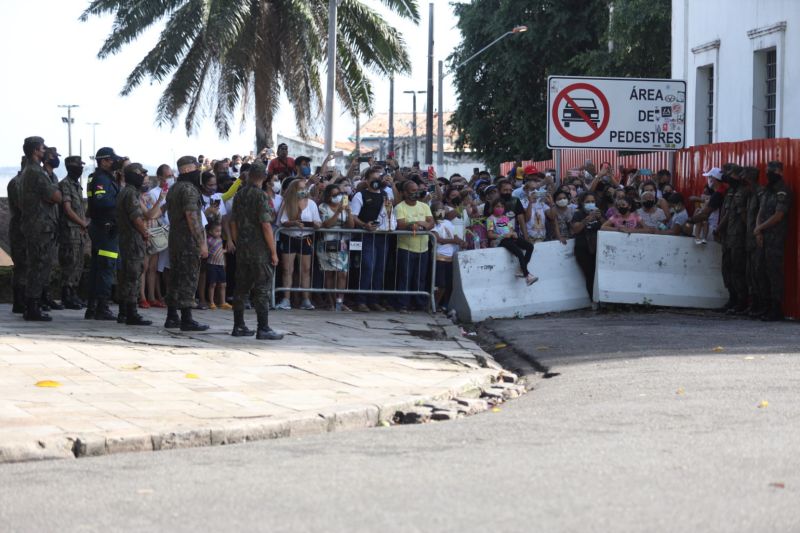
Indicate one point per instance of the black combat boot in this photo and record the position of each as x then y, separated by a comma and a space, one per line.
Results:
265, 333
188, 324
134, 318
69, 300
759, 307
122, 313
49, 302
774, 313
33, 311
103, 312
19, 300
91, 308
240, 329
173, 320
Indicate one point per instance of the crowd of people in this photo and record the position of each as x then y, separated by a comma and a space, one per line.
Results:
214, 237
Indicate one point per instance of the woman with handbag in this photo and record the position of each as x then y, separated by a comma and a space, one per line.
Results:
333, 249
151, 208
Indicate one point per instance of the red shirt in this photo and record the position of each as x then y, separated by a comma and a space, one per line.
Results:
276, 166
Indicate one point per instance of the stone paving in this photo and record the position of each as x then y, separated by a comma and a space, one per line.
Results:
122, 388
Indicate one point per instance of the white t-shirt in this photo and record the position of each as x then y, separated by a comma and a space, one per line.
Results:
679, 219
309, 214
154, 193
537, 223
223, 210
445, 230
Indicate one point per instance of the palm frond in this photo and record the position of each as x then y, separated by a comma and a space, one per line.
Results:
132, 19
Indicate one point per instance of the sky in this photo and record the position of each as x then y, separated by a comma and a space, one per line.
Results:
49, 58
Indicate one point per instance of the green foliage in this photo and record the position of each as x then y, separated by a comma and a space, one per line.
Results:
239, 55
503, 92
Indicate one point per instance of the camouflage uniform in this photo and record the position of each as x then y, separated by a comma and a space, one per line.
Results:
776, 197
39, 227
254, 269
753, 202
184, 250
15, 236
734, 255
131, 244
71, 236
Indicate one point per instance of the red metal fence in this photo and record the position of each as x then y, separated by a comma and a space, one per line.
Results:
689, 164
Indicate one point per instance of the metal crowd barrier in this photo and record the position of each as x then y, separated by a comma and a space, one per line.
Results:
354, 237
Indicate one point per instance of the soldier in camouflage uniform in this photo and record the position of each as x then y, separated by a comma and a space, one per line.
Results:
72, 233
771, 228
39, 200
256, 256
187, 245
17, 241
732, 227
133, 237
750, 180
51, 161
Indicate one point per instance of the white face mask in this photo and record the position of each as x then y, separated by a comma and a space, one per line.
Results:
170, 182
562, 203
336, 199
276, 187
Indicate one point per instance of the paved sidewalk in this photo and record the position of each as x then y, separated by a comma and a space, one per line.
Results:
122, 388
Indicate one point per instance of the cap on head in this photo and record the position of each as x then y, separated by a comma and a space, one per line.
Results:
774, 165
714, 172
529, 170
258, 169
106, 153
187, 160
302, 159
52, 150
134, 169
74, 160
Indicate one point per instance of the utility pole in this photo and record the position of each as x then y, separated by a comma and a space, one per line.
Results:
94, 141
391, 113
68, 120
429, 121
414, 122
440, 136
332, 6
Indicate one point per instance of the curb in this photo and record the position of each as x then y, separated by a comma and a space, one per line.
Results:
304, 424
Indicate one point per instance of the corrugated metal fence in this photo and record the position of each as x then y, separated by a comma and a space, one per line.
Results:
689, 164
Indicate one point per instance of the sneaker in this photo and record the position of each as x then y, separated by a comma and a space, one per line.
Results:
212, 307
201, 306
307, 305
530, 279
698, 241
703, 241
226, 306
284, 305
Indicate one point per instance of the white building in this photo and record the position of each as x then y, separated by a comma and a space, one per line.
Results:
741, 63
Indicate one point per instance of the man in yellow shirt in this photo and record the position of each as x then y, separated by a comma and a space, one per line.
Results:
412, 250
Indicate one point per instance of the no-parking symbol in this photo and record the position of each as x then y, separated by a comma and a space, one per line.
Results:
580, 112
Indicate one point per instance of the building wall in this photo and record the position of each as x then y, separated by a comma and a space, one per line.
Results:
732, 37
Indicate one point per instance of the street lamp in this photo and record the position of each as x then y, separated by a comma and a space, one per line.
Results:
442, 76
94, 148
69, 121
414, 123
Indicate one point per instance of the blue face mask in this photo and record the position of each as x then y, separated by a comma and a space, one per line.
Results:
589, 206
54, 162
306, 171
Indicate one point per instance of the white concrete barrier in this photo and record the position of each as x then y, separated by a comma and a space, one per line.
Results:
485, 283
658, 270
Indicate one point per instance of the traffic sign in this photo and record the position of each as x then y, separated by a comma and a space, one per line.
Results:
616, 113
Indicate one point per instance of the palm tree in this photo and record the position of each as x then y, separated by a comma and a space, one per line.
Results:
236, 56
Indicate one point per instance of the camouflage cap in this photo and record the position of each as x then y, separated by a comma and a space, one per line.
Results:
34, 139
258, 168
188, 160
135, 169
74, 160
52, 150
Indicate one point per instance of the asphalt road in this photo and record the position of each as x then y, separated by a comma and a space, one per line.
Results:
645, 428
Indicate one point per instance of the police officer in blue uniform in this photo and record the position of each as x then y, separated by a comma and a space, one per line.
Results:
102, 190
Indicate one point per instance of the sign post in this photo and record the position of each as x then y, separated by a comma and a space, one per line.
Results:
616, 113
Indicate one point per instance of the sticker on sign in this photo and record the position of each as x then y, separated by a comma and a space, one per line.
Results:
615, 113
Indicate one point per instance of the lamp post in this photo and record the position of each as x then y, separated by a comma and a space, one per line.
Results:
69, 121
94, 139
414, 121
442, 76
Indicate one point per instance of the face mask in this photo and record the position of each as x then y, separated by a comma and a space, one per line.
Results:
54, 162
193, 177
134, 179
439, 214
623, 210
210, 190
773, 177
336, 199
648, 203
170, 182
455, 201
589, 206
375, 184
506, 197
302, 195
276, 187
498, 211
305, 171
562, 203
145, 186
419, 195
348, 190
74, 172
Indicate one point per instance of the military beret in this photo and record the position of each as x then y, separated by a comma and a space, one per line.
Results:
188, 160
258, 168
74, 160
106, 153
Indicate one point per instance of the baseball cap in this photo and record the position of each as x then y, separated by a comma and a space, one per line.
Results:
52, 149
106, 153
187, 160
530, 169
714, 172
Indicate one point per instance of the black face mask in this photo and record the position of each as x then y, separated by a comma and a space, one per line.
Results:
455, 201
375, 184
773, 177
54, 162
134, 179
505, 197
648, 203
419, 195
74, 172
623, 210
192, 177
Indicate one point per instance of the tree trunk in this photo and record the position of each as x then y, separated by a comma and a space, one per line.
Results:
264, 111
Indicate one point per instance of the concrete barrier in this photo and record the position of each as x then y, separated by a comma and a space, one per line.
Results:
485, 283
658, 270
